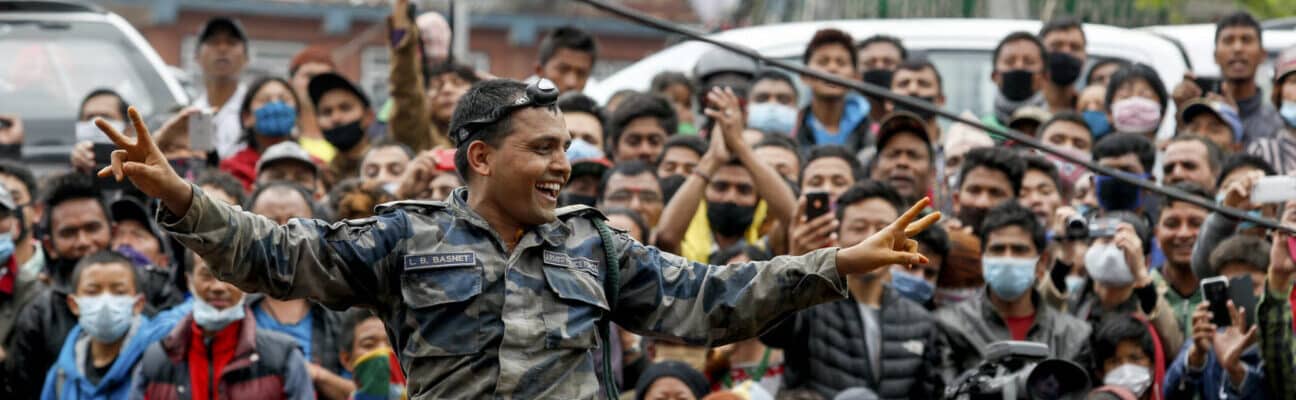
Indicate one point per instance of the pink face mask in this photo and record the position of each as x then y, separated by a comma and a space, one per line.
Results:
1136, 115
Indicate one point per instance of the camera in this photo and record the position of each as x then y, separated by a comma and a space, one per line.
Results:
1020, 370
1079, 228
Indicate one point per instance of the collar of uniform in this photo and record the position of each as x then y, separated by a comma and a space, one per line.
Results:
554, 232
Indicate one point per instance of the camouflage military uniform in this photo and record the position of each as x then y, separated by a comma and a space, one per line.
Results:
471, 319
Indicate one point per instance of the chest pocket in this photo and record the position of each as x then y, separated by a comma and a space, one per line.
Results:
438, 291
570, 319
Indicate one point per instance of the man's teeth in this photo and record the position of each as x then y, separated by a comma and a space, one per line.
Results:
553, 187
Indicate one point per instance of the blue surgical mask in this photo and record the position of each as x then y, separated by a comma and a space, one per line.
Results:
1098, 124
275, 119
911, 286
1288, 113
1009, 278
105, 317
771, 117
211, 319
6, 246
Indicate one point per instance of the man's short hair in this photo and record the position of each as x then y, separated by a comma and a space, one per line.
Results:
754, 253
122, 105
570, 38
920, 64
1038, 163
625, 168
832, 151
293, 186
1136, 71
1249, 250
1187, 187
483, 98
1239, 19
1064, 116
1243, 160
634, 216
770, 74
1062, 23
1011, 213
831, 36
1016, 36
20, 172
467, 73
691, 142
998, 159
224, 181
1214, 154
1119, 144
351, 319
386, 142
577, 102
104, 257
1111, 331
888, 39
1099, 62
67, 187
936, 239
868, 189
636, 106
781, 141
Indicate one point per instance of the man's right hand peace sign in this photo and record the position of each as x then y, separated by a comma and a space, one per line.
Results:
142, 162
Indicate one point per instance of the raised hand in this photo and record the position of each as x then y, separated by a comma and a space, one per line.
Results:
1231, 342
1203, 335
1281, 266
891, 245
805, 235
726, 110
142, 162
418, 175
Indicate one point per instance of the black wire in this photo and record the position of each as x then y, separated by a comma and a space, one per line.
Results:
886, 93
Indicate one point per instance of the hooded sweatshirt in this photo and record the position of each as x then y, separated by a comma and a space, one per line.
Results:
67, 378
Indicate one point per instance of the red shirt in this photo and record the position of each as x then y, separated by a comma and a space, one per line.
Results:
242, 165
1019, 326
204, 374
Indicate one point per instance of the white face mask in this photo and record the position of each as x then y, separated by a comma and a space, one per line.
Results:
1135, 378
212, 319
1106, 265
105, 317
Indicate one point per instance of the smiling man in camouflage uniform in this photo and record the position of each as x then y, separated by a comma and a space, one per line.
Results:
495, 293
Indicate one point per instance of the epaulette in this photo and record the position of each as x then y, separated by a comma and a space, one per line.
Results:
578, 210
417, 206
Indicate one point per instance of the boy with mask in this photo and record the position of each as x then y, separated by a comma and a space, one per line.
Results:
101, 351
1019, 74
216, 351
1065, 41
835, 115
1132, 154
346, 119
879, 56
1125, 358
894, 332
1013, 244
1136, 100
771, 103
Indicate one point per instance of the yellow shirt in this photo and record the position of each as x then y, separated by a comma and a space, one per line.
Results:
318, 148
698, 242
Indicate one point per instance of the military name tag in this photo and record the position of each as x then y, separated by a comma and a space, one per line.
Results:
556, 259
440, 260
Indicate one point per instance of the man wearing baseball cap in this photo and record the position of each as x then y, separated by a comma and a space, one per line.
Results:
1214, 120
287, 161
1280, 149
345, 117
222, 55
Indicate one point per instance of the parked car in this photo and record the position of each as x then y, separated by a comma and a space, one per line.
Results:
56, 52
960, 48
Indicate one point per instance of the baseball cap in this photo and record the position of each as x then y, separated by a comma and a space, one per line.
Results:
323, 83
1218, 108
286, 151
6, 199
1285, 63
218, 24
586, 159
899, 122
1030, 113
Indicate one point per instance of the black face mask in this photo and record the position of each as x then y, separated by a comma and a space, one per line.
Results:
670, 185
923, 113
972, 217
344, 137
1063, 68
729, 219
571, 199
1017, 84
880, 77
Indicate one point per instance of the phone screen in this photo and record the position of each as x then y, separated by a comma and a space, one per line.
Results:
1217, 293
1242, 292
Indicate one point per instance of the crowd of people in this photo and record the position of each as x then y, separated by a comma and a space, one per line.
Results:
722, 166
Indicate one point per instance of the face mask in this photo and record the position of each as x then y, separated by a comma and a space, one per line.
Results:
1063, 68
911, 286
1136, 115
1244, 225
729, 219
86, 130
923, 113
569, 199
1106, 265
947, 296
1017, 84
1074, 285
1069, 172
137, 259
1009, 278
275, 119
1135, 378
879, 77
390, 187
105, 317
344, 137
1083, 209
6, 246
771, 117
1098, 124
1115, 194
1288, 113
209, 318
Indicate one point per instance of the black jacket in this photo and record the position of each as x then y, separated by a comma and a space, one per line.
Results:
824, 349
38, 336
968, 328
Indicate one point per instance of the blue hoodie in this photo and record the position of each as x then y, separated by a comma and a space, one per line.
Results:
115, 384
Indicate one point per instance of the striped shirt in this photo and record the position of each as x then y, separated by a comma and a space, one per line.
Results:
1279, 151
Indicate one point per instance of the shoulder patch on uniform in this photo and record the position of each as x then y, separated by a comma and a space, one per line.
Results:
578, 210
418, 206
